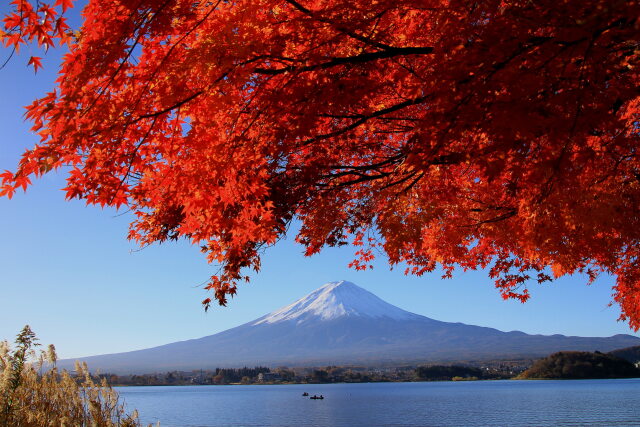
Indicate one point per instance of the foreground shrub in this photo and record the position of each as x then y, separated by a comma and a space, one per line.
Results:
34, 393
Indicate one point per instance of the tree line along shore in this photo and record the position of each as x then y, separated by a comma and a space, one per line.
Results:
624, 363
316, 375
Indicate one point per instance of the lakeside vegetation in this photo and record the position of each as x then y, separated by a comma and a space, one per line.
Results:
34, 393
561, 365
320, 375
581, 365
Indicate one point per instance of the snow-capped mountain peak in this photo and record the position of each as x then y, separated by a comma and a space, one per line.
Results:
342, 324
334, 300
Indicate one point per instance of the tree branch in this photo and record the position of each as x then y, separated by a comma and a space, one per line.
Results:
389, 52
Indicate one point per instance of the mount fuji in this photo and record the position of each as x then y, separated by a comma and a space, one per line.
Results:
341, 323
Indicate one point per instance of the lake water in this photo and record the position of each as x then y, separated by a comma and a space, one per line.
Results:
477, 403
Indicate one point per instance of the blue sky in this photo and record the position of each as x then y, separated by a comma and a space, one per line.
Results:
68, 271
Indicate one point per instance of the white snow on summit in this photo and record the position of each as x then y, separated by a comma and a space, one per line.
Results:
336, 299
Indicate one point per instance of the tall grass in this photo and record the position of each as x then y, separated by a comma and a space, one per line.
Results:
34, 393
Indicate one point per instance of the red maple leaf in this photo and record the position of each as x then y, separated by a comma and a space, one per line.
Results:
36, 62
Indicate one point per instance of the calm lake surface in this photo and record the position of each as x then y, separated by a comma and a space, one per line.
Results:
478, 403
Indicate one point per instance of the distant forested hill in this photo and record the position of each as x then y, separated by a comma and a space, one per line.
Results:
632, 354
581, 365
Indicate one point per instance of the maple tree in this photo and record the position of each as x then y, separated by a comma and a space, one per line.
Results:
500, 134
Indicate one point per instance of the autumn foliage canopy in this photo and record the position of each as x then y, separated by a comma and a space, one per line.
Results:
500, 134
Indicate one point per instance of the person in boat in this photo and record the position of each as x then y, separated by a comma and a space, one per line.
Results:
305, 394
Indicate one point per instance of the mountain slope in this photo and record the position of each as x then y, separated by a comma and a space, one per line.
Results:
341, 323
632, 354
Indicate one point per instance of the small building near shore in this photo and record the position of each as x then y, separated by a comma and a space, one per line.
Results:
268, 377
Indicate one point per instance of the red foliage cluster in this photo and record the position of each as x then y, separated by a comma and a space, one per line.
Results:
40, 23
500, 134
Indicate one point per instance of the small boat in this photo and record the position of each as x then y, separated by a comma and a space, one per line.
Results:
314, 397
305, 394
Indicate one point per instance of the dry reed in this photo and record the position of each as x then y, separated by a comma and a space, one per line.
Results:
34, 393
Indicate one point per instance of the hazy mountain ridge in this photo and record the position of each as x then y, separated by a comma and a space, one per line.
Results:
341, 323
